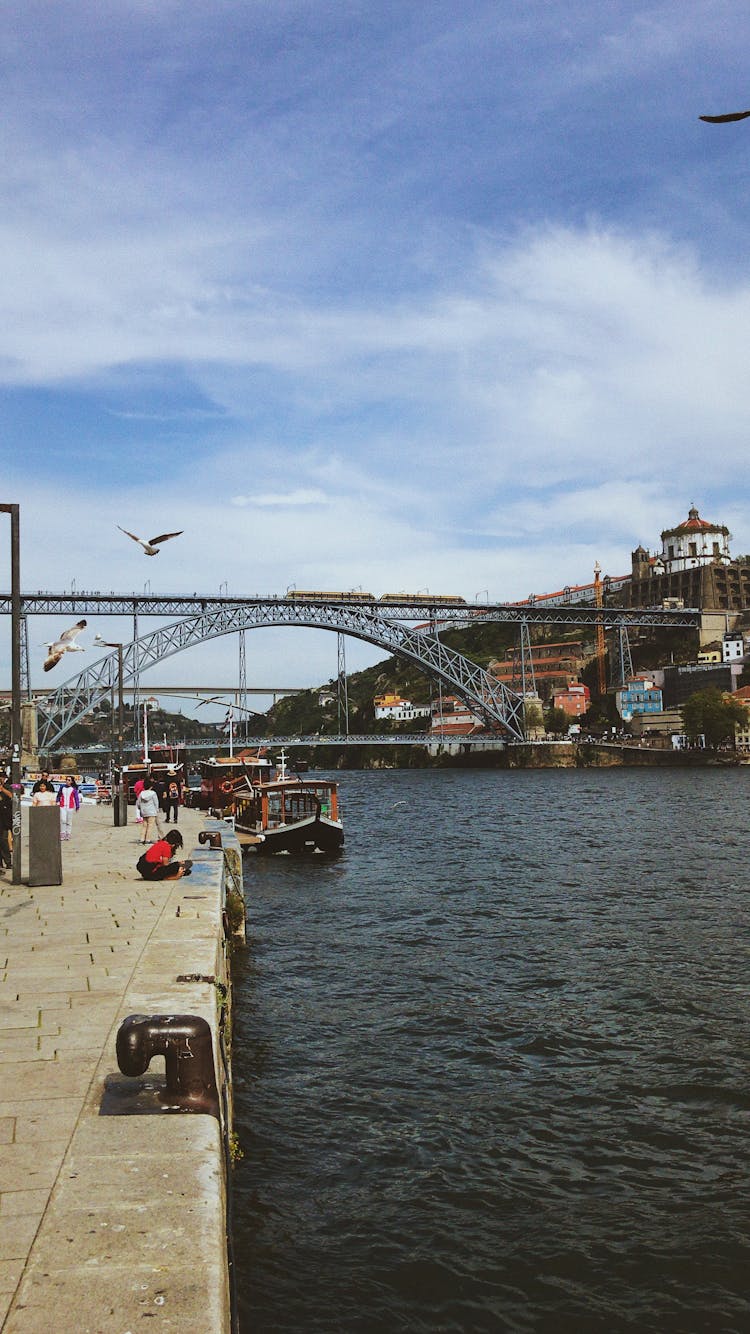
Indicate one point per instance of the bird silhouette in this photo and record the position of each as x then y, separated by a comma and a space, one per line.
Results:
151, 547
730, 115
65, 644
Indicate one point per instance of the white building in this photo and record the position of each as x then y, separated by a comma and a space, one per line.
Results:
694, 542
398, 710
732, 647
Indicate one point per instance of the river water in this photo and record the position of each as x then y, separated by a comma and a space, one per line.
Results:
492, 1064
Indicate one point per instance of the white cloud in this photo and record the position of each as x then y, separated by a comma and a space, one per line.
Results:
281, 500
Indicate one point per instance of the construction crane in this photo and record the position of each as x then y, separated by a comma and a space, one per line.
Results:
600, 648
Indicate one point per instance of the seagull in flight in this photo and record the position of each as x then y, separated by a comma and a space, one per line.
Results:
151, 547
730, 115
65, 644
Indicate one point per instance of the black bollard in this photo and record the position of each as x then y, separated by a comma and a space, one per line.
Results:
184, 1040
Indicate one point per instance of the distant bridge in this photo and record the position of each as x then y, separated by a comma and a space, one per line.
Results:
428, 740
386, 623
489, 699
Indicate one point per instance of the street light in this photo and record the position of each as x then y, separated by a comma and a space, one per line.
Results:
149, 703
15, 715
119, 797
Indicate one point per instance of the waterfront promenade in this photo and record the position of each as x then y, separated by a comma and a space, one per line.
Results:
105, 1219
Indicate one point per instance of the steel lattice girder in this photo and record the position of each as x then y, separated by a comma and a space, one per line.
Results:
487, 697
459, 617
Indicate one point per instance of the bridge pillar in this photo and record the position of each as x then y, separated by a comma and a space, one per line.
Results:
29, 736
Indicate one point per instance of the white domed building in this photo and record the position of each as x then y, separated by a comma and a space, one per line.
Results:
694, 542
694, 568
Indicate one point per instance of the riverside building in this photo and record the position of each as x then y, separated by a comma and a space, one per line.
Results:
694, 568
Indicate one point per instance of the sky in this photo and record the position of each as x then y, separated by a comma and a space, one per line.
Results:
366, 294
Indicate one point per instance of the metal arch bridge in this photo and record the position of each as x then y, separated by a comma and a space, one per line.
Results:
490, 699
457, 616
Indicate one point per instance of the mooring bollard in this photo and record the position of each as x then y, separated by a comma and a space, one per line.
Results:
184, 1040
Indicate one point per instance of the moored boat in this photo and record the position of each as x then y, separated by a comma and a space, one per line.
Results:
289, 814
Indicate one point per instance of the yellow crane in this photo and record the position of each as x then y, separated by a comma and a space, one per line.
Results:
600, 647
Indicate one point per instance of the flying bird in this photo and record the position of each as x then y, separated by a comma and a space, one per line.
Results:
721, 120
151, 547
65, 644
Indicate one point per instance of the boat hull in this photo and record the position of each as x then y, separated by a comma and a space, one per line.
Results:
304, 838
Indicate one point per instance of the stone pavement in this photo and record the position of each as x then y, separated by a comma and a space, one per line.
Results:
105, 1219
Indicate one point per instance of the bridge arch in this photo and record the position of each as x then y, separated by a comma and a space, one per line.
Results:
491, 700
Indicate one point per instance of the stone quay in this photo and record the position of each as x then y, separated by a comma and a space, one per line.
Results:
113, 1205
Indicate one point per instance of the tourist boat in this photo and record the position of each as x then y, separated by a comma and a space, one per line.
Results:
222, 775
285, 813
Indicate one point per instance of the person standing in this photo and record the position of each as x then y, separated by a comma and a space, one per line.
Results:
172, 796
43, 778
147, 806
6, 822
138, 787
69, 800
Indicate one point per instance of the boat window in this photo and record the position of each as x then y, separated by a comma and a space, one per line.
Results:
299, 806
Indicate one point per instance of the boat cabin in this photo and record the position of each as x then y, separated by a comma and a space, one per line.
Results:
223, 776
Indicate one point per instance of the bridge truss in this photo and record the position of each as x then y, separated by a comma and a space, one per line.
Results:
408, 629
489, 699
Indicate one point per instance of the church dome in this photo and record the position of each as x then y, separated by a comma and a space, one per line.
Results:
694, 542
695, 524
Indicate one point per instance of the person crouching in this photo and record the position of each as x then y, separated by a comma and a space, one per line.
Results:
157, 863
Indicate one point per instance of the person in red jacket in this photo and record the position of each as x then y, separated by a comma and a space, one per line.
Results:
157, 861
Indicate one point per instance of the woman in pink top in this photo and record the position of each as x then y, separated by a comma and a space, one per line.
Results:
69, 800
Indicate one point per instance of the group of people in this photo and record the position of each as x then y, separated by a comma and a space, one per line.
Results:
156, 863
67, 797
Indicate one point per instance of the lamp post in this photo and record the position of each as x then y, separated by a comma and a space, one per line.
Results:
15, 714
119, 797
149, 703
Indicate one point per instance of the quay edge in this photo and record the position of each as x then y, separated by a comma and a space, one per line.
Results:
136, 1218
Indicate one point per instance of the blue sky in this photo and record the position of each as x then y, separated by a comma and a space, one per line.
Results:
380, 295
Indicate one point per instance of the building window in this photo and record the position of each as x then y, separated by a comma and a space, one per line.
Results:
693, 548
716, 549
670, 551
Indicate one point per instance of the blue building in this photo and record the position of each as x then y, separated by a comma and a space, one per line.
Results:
638, 695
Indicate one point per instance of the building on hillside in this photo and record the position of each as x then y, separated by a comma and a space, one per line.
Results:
573, 699
640, 694
667, 723
694, 567
454, 718
553, 665
733, 647
682, 682
394, 709
710, 652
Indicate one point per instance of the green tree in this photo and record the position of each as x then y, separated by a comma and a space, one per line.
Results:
712, 714
557, 720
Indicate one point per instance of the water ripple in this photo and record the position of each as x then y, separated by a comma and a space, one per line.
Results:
491, 1065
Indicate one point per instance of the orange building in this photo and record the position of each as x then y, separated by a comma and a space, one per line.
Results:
573, 700
456, 718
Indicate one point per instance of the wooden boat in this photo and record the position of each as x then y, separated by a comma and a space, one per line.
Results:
223, 775
285, 813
